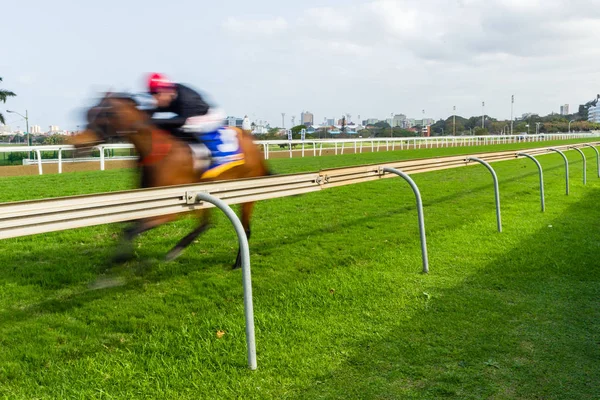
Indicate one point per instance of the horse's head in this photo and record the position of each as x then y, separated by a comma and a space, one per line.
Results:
114, 117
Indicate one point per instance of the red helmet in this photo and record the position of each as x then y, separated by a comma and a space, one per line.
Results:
158, 82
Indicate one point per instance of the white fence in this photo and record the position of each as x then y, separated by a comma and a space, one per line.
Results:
314, 146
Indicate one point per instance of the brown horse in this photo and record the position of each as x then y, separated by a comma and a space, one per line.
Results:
165, 161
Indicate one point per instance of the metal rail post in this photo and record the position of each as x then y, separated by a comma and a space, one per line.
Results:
566, 165
415, 189
246, 278
597, 156
39, 160
541, 177
584, 164
496, 189
101, 148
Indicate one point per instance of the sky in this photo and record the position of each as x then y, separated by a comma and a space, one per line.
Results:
331, 57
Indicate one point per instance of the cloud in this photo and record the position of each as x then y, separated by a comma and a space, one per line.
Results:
406, 55
257, 26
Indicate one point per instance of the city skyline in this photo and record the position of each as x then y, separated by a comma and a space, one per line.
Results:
394, 118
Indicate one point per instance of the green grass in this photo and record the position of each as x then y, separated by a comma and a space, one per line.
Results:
342, 311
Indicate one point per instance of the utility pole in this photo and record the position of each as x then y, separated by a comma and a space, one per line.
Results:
454, 121
512, 102
483, 114
283, 120
26, 118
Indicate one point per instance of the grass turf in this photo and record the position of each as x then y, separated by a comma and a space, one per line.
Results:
341, 308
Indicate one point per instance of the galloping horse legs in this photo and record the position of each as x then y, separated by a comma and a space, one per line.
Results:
247, 209
125, 249
186, 241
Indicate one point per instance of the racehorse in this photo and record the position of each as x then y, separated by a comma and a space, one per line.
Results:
165, 160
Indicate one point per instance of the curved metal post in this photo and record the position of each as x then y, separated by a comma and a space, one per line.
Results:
541, 177
566, 165
584, 164
60, 161
597, 156
415, 189
246, 278
496, 189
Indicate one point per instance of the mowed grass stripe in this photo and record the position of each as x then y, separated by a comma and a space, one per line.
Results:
341, 308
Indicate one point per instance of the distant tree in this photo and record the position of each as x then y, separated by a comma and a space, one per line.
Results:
4, 94
296, 129
382, 124
55, 139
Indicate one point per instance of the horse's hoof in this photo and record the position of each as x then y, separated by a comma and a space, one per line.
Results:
173, 254
124, 254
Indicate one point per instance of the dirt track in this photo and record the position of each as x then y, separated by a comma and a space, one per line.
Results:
21, 170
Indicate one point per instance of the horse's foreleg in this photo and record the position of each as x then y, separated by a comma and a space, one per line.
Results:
247, 209
186, 241
125, 249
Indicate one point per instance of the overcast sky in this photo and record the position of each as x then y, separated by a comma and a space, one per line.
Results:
265, 57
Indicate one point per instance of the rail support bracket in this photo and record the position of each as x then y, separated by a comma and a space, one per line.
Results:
192, 197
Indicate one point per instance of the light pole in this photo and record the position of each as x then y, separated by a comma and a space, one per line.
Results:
537, 128
483, 114
512, 102
26, 117
527, 128
454, 121
570, 125
391, 123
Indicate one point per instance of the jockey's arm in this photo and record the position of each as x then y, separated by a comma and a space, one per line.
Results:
189, 104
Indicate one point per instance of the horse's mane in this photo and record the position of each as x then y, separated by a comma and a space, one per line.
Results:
128, 97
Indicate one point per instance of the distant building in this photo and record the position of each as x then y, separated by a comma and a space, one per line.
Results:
234, 121
369, 121
35, 130
399, 121
53, 129
594, 113
5, 129
330, 121
421, 122
564, 110
307, 118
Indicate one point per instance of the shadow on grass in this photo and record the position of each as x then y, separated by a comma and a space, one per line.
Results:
525, 326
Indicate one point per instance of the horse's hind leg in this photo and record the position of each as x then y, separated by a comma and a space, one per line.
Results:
125, 249
247, 209
186, 241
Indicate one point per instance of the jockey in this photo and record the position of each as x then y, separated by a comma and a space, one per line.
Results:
195, 121
178, 99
